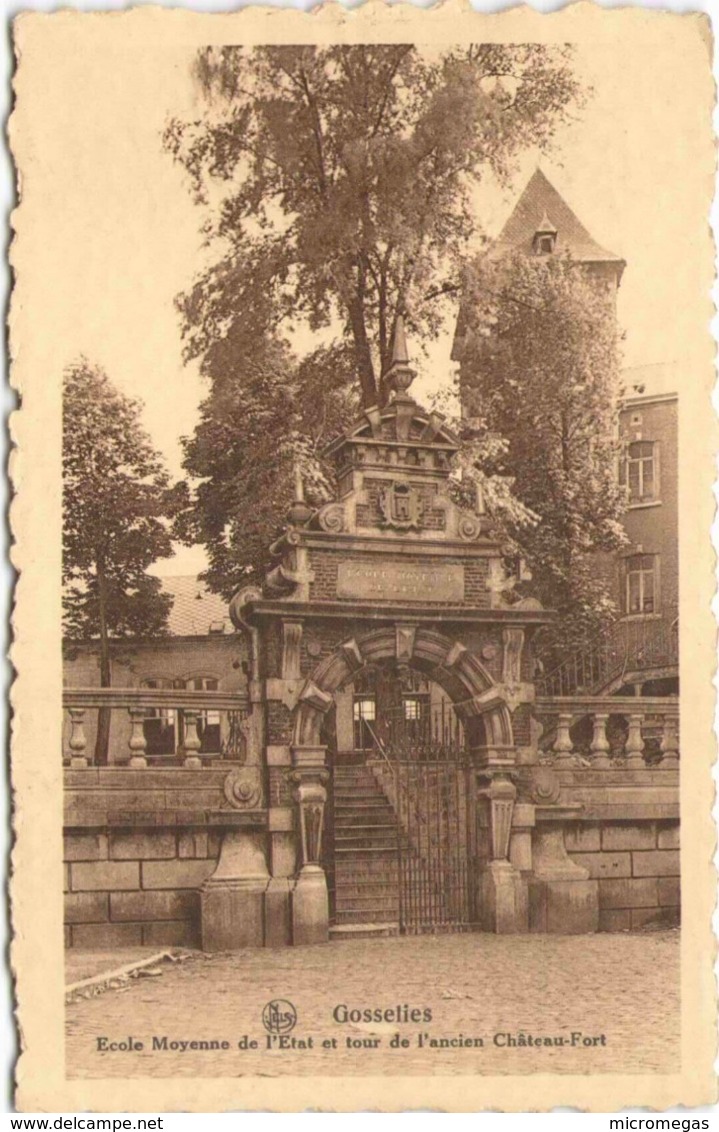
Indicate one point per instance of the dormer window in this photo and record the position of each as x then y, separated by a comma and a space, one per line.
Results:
544, 245
545, 238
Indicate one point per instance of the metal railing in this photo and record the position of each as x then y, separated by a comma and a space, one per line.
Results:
188, 707
420, 730
627, 649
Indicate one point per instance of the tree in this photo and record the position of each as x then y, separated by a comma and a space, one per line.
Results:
264, 424
539, 360
348, 173
116, 500
337, 185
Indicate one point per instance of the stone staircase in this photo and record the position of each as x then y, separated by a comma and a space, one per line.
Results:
366, 870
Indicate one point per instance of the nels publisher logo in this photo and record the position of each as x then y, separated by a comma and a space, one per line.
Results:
279, 1016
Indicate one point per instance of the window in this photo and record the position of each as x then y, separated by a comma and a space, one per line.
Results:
415, 706
364, 713
642, 471
160, 724
544, 245
641, 584
208, 722
164, 728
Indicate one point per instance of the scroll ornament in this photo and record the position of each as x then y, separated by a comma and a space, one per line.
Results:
332, 518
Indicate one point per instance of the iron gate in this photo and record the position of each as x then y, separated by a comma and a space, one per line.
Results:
429, 782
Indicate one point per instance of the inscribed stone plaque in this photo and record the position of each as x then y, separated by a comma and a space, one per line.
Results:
401, 581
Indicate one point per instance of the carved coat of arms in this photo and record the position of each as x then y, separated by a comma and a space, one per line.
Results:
401, 506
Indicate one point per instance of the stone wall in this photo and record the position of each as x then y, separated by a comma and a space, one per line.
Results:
126, 887
637, 866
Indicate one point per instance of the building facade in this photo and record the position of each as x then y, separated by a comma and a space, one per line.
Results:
640, 651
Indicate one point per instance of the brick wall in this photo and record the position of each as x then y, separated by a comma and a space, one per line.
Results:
128, 887
324, 564
370, 514
280, 786
637, 866
654, 526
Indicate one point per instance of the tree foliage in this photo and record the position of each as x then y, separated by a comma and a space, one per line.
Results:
117, 499
261, 425
336, 185
539, 360
116, 495
344, 178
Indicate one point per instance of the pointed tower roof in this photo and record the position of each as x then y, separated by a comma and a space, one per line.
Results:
539, 201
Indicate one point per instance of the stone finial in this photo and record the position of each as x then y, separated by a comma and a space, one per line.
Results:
400, 374
299, 511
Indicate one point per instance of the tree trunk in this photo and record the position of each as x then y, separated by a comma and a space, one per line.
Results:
363, 353
102, 742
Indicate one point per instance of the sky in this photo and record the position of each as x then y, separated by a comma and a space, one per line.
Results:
125, 237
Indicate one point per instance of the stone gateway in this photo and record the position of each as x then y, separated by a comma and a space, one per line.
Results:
393, 769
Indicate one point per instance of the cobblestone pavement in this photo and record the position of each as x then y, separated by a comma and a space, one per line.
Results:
620, 993
86, 964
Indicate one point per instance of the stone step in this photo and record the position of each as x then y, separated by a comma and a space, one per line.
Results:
354, 794
360, 829
353, 903
362, 915
364, 813
358, 842
367, 882
349, 824
364, 864
366, 830
363, 931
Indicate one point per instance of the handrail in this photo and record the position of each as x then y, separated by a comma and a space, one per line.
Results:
189, 699
626, 646
381, 749
582, 704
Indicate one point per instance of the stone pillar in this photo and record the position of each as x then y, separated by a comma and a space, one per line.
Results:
563, 900
520, 841
310, 901
283, 865
502, 889
232, 899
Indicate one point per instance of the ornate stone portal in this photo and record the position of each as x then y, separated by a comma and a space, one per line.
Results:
390, 572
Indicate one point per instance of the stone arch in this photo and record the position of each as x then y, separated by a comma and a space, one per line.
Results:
448, 662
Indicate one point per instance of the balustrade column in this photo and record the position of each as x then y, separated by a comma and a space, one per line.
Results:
191, 742
78, 740
600, 743
563, 742
137, 742
635, 743
670, 744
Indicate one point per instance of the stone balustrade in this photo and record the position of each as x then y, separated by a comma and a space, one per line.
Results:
603, 732
139, 703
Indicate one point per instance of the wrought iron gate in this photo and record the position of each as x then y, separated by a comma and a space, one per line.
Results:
429, 782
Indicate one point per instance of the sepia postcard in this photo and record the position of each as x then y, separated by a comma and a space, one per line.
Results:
363, 493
